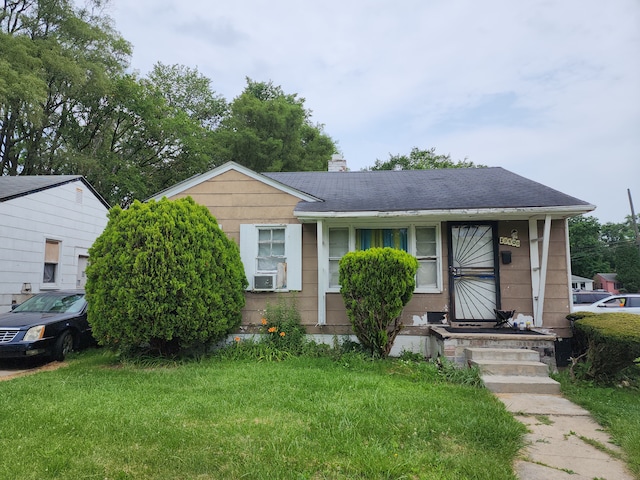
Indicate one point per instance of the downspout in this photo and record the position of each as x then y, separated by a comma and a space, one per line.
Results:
322, 274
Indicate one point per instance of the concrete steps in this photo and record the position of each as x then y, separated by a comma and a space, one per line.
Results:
512, 370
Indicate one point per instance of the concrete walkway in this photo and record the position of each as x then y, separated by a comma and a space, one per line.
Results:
555, 445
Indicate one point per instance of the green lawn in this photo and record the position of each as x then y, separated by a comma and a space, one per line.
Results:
615, 408
302, 418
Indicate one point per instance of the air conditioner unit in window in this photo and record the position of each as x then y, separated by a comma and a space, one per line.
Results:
264, 282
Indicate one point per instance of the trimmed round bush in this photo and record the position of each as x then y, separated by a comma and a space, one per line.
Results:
376, 284
164, 276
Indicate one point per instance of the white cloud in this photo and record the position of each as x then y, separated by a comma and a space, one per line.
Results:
549, 90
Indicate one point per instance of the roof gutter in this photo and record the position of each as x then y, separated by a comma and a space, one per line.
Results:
453, 214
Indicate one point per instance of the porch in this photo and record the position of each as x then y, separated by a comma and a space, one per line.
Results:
451, 342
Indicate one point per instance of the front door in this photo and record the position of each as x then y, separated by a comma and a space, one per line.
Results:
473, 267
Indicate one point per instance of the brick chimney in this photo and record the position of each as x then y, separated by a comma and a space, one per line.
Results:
337, 163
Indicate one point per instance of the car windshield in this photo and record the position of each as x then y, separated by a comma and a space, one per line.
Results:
53, 303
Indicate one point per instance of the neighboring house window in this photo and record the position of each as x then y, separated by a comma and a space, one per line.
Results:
272, 256
51, 260
421, 241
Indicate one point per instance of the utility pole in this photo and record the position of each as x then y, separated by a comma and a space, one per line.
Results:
633, 219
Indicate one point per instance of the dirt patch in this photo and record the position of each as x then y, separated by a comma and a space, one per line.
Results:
41, 368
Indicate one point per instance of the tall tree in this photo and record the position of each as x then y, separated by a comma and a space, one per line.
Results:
268, 130
627, 260
68, 107
587, 248
422, 160
55, 57
186, 89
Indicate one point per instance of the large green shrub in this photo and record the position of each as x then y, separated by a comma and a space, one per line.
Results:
608, 342
376, 284
164, 275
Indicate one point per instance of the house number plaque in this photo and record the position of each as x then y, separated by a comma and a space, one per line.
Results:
512, 241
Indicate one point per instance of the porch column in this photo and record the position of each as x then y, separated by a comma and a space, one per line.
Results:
322, 273
539, 265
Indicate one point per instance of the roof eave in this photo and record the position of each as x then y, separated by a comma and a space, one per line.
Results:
54, 184
454, 214
198, 179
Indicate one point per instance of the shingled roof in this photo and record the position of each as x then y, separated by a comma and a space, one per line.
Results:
410, 190
18, 186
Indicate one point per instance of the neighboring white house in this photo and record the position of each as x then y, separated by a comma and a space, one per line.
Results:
47, 224
581, 283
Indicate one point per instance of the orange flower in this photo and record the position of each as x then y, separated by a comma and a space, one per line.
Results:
264, 321
272, 329
237, 339
282, 334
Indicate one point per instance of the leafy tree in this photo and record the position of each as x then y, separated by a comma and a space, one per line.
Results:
268, 130
55, 58
617, 234
422, 160
627, 258
68, 107
587, 248
186, 89
163, 274
376, 284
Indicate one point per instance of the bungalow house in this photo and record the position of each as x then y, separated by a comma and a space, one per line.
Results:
47, 224
608, 282
486, 239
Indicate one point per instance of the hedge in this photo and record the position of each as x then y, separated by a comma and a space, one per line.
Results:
610, 342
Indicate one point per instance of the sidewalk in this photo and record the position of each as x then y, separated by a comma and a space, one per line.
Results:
555, 445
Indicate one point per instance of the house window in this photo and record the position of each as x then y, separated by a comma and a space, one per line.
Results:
270, 249
421, 241
51, 260
427, 255
338, 246
272, 256
381, 237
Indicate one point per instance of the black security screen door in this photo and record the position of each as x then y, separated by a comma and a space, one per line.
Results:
473, 265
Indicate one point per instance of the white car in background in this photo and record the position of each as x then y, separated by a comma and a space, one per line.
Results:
622, 303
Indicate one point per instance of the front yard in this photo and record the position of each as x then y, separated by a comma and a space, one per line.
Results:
303, 418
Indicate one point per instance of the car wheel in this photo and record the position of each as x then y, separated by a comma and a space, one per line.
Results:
63, 346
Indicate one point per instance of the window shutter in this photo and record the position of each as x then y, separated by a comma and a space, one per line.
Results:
293, 244
249, 250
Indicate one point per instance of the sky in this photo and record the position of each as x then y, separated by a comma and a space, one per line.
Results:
549, 90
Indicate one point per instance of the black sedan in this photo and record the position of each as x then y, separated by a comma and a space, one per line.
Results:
49, 324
